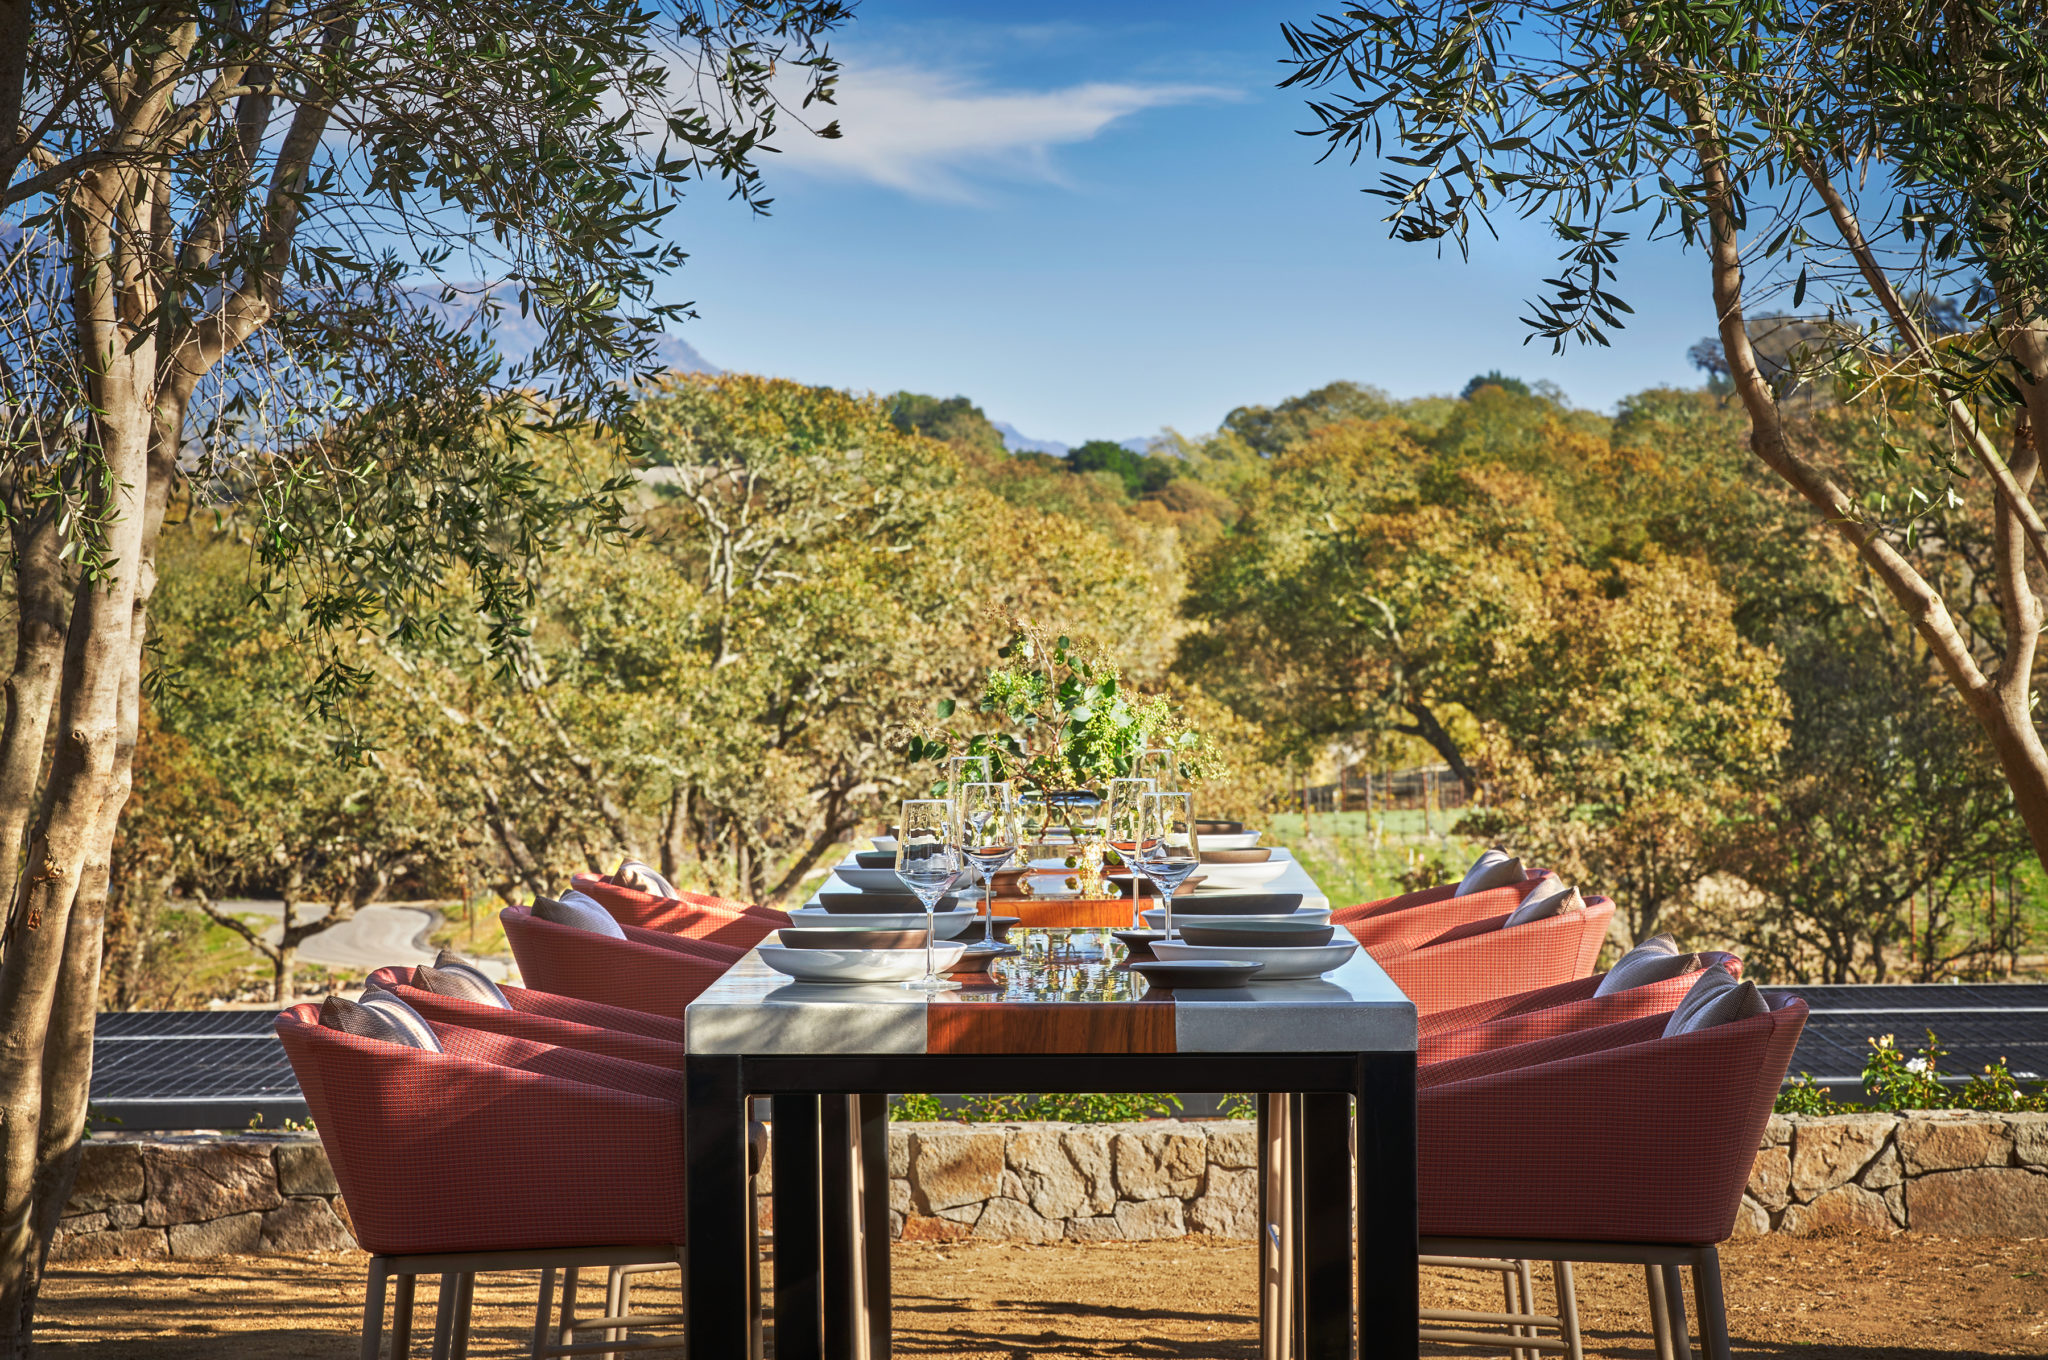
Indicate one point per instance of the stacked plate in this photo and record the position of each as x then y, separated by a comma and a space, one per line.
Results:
842, 954
948, 923
1286, 946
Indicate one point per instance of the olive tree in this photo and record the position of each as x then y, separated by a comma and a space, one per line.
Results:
1882, 159
257, 252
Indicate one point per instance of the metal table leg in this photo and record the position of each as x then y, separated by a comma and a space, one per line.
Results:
715, 1184
874, 1189
799, 1263
1389, 1228
1326, 1226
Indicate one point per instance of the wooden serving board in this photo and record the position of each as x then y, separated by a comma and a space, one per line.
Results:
1113, 913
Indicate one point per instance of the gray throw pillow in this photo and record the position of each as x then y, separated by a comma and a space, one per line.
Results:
381, 1016
1549, 898
1493, 869
1724, 1007
1651, 961
634, 874
1710, 985
454, 976
578, 911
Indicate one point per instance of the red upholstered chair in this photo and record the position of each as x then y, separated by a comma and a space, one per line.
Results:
456, 1162
694, 915
1413, 920
1566, 1014
647, 971
1656, 1138
1480, 960
566, 1022
1539, 999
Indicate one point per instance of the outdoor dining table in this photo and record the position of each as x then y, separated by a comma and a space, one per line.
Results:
1048, 1021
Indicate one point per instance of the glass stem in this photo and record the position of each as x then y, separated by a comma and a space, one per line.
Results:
931, 973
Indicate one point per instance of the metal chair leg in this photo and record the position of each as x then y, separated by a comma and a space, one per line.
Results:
465, 1301
566, 1333
1660, 1316
1567, 1288
373, 1307
1706, 1288
444, 1315
1681, 1331
615, 1306
401, 1317
1511, 1301
543, 1313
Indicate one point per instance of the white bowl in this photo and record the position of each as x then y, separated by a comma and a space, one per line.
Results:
868, 880
1155, 917
883, 842
1295, 961
1231, 840
857, 965
1241, 875
947, 924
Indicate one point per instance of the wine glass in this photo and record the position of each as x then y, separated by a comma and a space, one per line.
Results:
1168, 850
1121, 825
961, 770
1157, 764
928, 861
989, 837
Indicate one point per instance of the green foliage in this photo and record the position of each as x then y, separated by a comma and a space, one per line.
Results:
1893, 1081
1068, 1109
1139, 472
1514, 387
952, 420
1272, 430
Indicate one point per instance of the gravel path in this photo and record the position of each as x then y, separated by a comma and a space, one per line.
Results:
374, 938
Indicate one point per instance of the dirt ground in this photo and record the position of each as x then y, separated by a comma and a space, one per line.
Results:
1903, 1298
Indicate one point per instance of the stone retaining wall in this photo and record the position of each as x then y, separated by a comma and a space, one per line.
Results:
1957, 1174
202, 1195
1951, 1172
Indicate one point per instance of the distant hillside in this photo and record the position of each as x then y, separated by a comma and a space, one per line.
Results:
1016, 441
517, 335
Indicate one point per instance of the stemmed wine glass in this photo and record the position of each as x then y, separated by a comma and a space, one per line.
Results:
964, 770
928, 862
1168, 850
1157, 764
989, 837
1121, 827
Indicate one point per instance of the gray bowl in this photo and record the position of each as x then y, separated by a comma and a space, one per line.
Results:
1234, 904
849, 937
1279, 933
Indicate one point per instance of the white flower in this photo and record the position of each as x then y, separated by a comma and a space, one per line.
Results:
1916, 1064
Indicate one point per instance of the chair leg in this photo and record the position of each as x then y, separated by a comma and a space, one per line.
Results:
615, 1306
444, 1315
566, 1333
465, 1300
1660, 1318
401, 1317
1568, 1308
755, 1349
1526, 1277
1681, 1331
1706, 1288
1511, 1303
543, 1313
373, 1307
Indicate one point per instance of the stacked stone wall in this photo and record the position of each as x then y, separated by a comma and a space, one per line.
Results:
1953, 1173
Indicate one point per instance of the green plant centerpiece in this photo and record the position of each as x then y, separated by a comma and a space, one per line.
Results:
1067, 725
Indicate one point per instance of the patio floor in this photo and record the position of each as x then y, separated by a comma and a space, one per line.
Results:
1191, 1299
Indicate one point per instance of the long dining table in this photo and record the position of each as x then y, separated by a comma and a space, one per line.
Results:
1065, 1015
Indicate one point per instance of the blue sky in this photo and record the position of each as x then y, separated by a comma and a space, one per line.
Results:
1098, 220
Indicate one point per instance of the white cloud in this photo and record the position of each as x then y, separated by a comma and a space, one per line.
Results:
929, 133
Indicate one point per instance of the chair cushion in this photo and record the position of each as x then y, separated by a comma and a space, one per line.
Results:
381, 1016
1549, 898
454, 976
1715, 999
576, 910
634, 874
1493, 869
1654, 960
